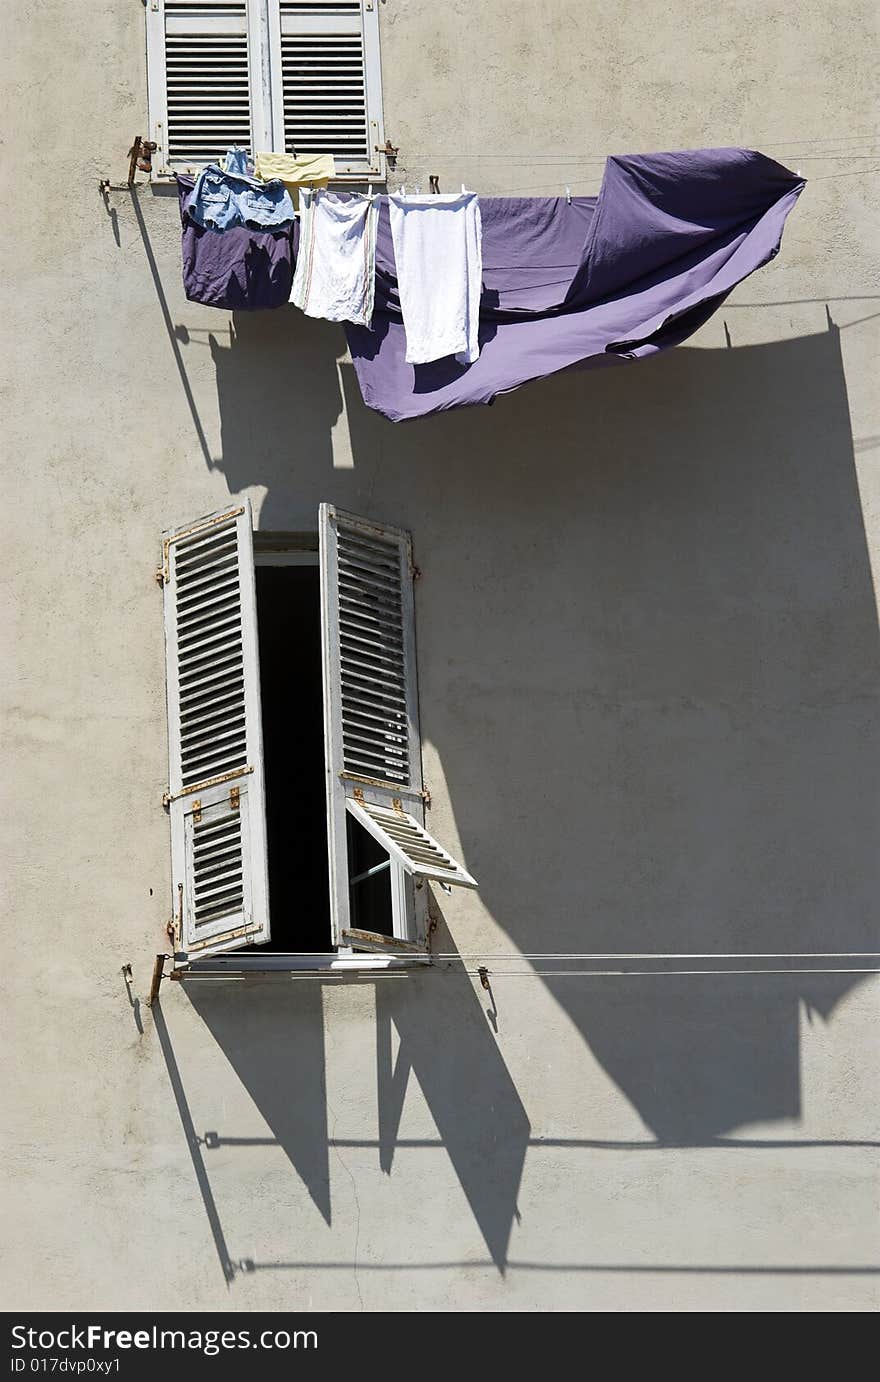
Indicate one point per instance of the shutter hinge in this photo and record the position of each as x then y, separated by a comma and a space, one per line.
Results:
161, 577
174, 929
415, 572
234, 798
197, 811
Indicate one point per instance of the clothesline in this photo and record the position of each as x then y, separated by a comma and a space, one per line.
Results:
451, 299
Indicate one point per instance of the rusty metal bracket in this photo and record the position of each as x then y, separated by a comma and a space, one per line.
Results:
389, 150
168, 797
158, 976
484, 977
395, 787
140, 157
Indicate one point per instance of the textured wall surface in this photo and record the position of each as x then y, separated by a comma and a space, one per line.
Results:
649, 659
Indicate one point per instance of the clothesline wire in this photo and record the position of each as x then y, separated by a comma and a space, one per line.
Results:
559, 188
655, 955
573, 161
579, 154
652, 973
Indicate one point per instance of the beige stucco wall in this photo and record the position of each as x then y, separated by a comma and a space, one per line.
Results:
649, 664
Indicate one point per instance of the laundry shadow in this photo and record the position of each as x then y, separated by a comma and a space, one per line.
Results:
649, 669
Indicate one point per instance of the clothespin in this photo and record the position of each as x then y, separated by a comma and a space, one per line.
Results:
370, 190
568, 195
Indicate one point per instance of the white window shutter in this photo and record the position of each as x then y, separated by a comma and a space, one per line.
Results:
372, 743
327, 82
216, 794
209, 80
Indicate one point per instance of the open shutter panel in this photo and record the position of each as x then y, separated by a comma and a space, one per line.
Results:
216, 793
374, 760
208, 80
330, 98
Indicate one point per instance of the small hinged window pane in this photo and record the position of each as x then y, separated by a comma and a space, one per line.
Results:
410, 843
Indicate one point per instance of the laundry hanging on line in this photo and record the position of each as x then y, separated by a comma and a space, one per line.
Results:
438, 260
336, 261
296, 171
226, 197
597, 281
239, 269
566, 282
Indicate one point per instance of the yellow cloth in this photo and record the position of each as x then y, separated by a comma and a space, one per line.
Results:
296, 170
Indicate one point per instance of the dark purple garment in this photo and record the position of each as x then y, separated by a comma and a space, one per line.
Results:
239, 269
594, 281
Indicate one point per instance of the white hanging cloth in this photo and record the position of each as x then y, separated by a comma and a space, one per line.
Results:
335, 274
438, 251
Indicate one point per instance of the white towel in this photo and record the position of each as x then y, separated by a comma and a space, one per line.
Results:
335, 273
438, 248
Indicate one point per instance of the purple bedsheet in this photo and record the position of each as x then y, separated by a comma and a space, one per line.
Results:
595, 281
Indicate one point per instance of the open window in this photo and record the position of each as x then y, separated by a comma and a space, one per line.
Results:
295, 76
295, 759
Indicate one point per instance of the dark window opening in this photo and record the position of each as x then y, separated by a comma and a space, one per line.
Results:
288, 621
369, 881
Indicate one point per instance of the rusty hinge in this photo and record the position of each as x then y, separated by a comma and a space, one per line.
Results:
174, 929
197, 811
161, 577
396, 805
234, 798
389, 150
359, 796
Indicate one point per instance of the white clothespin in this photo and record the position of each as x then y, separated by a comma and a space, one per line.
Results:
568, 195
370, 190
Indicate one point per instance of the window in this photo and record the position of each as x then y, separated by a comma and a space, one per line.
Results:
295, 759
300, 76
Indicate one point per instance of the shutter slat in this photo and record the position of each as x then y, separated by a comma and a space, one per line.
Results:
207, 80
218, 831
323, 82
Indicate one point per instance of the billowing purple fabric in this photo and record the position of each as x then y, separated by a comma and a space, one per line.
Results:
239, 268
597, 281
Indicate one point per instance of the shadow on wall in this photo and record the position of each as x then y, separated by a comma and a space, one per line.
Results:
649, 668
273, 1036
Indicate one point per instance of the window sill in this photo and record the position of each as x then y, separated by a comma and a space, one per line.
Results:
332, 965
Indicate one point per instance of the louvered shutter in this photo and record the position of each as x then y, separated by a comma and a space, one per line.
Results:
374, 760
329, 98
216, 793
209, 86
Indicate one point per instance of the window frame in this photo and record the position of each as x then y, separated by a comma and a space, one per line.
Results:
368, 953
301, 549
265, 89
